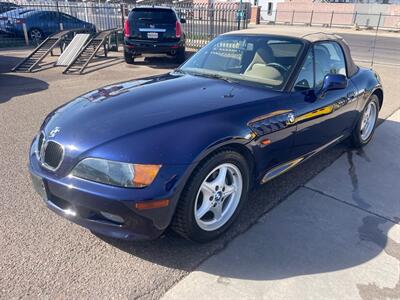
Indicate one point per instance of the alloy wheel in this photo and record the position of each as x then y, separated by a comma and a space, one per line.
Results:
218, 197
368, 121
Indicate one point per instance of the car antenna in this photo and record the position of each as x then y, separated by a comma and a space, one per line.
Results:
374, 46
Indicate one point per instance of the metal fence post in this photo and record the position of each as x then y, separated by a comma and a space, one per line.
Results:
211, 12
86, 11
122, 14
292, 17
239, 15
355, 18
25, 34
379, 21
330, 23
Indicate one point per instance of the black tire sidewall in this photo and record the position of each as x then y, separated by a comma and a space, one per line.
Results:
193, 231
356, 137
129, 59
181, 55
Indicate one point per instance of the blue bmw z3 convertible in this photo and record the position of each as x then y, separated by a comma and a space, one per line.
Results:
181, 150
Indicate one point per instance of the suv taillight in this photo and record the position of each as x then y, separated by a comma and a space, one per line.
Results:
127, 31
178, 29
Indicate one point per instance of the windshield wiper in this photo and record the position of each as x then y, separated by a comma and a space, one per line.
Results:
214, 76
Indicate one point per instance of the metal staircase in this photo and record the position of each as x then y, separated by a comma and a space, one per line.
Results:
46, 47
89, 51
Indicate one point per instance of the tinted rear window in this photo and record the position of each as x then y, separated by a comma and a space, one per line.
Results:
153, 16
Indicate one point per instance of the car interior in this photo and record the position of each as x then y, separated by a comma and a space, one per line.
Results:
264, 61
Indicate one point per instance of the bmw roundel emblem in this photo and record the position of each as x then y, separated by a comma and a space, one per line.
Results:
290, 118
54, 131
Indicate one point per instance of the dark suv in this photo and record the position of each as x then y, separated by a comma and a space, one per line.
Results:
153, 30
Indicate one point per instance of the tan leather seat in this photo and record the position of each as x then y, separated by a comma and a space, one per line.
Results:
263, 55
258, 67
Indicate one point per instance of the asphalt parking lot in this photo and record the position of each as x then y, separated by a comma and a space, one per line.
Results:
44, 255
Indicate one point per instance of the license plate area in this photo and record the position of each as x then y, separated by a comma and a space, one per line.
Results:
152, 35
39, 186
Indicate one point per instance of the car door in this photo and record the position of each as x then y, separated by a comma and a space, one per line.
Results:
321, 117
49, 22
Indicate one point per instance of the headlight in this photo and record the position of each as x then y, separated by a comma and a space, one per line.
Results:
116, 173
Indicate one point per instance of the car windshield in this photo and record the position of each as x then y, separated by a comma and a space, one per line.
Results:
259, 59
16, 12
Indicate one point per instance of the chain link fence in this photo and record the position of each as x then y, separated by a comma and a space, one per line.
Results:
33, 21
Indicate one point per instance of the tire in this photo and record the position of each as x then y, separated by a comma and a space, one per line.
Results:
180, 56
189, 220
129, 59
36, 35
364, 130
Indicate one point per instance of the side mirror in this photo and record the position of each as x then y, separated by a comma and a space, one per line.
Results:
183, 21
334, 82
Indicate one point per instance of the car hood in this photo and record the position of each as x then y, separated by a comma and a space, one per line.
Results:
122, 109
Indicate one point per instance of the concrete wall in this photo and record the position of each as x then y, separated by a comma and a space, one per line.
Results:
321, 13
345, 14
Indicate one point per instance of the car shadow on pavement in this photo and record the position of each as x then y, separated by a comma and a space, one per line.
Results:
16, 85
13, 85
8, 62
175, 252
160, 62
156, 62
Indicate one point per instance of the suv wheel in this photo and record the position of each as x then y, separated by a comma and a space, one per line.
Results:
180, 56
129, 59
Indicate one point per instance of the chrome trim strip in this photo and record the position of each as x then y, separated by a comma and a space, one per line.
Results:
37, 152
152, 30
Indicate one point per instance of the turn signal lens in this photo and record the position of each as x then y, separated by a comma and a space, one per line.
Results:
266, 142
145, 174
152, 204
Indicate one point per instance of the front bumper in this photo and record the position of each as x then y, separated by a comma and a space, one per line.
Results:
137, 47
90, 204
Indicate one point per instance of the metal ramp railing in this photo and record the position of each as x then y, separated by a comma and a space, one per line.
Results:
89, 51
46, 47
